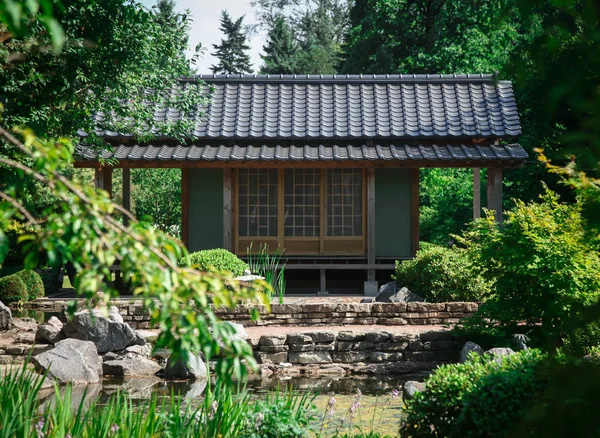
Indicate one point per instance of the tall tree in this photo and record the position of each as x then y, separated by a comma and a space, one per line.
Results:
114, 49
318, 27
434, 36
232, 52
281, 49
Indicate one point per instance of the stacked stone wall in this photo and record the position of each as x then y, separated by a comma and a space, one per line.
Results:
310, 314
324, 347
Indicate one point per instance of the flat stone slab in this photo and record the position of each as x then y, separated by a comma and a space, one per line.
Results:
255, 332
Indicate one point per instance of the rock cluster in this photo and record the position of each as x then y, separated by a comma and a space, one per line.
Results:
389, 293
497, 354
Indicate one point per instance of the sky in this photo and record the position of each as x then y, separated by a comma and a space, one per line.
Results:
205, 27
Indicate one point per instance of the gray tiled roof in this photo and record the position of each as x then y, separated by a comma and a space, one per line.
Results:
341, 152
350, 107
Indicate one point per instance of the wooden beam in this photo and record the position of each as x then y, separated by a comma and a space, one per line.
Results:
227, 209
494, 192
415, 215
126, 194
476, 193
185, 205
379, 164
371, 222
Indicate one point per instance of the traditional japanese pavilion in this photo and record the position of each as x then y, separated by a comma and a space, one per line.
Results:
325, 167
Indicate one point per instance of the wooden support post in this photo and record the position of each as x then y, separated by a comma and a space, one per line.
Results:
323, 282
371, 222
103, 179
476, 193
126, 194
414, 220
494, 191
227, 209
185, 204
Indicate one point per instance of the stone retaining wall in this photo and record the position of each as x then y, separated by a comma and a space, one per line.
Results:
324, 347
315, 314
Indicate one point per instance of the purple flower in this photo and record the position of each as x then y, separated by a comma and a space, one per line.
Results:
114, 428
39, 428
358, 394
394, 394
330, 404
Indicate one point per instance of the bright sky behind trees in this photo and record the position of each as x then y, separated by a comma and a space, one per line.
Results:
205, 28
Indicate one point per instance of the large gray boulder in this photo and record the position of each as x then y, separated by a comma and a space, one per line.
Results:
50, 332
498, 354
411, 388
192, 369
112, 313
70, 361
138, 367
520, 342
389, 293
6, 321
467, 349
106, 334
240, 331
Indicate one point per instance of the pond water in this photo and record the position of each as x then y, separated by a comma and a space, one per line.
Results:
380, 407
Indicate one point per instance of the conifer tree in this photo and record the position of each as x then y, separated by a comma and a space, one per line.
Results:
232, 52
281, 49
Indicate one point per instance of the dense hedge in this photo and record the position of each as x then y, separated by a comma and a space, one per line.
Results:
12, 289
441, 274
33, 283
215, 260
480, 398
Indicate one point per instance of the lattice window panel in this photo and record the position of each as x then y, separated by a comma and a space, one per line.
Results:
344, 206
302, 202
257, 202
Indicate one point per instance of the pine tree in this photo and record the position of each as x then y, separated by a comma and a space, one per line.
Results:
281, 49
231, 53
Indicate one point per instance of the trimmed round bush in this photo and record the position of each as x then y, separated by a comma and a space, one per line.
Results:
441, 274
480, 398
33, 282
12, 289
215, 260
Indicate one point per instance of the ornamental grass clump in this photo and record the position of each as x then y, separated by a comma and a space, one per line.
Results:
224, 412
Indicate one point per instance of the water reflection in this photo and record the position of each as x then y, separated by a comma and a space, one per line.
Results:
143, 388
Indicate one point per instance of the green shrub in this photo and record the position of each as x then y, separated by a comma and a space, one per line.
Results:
546, 271
215, 260
33, 283
441, 274
12, 289
480, 398
14, 231
583, 340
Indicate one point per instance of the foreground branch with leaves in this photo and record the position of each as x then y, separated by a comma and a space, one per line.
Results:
81, 230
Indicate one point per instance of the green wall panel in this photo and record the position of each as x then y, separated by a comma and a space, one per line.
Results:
205, 209
393, 212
